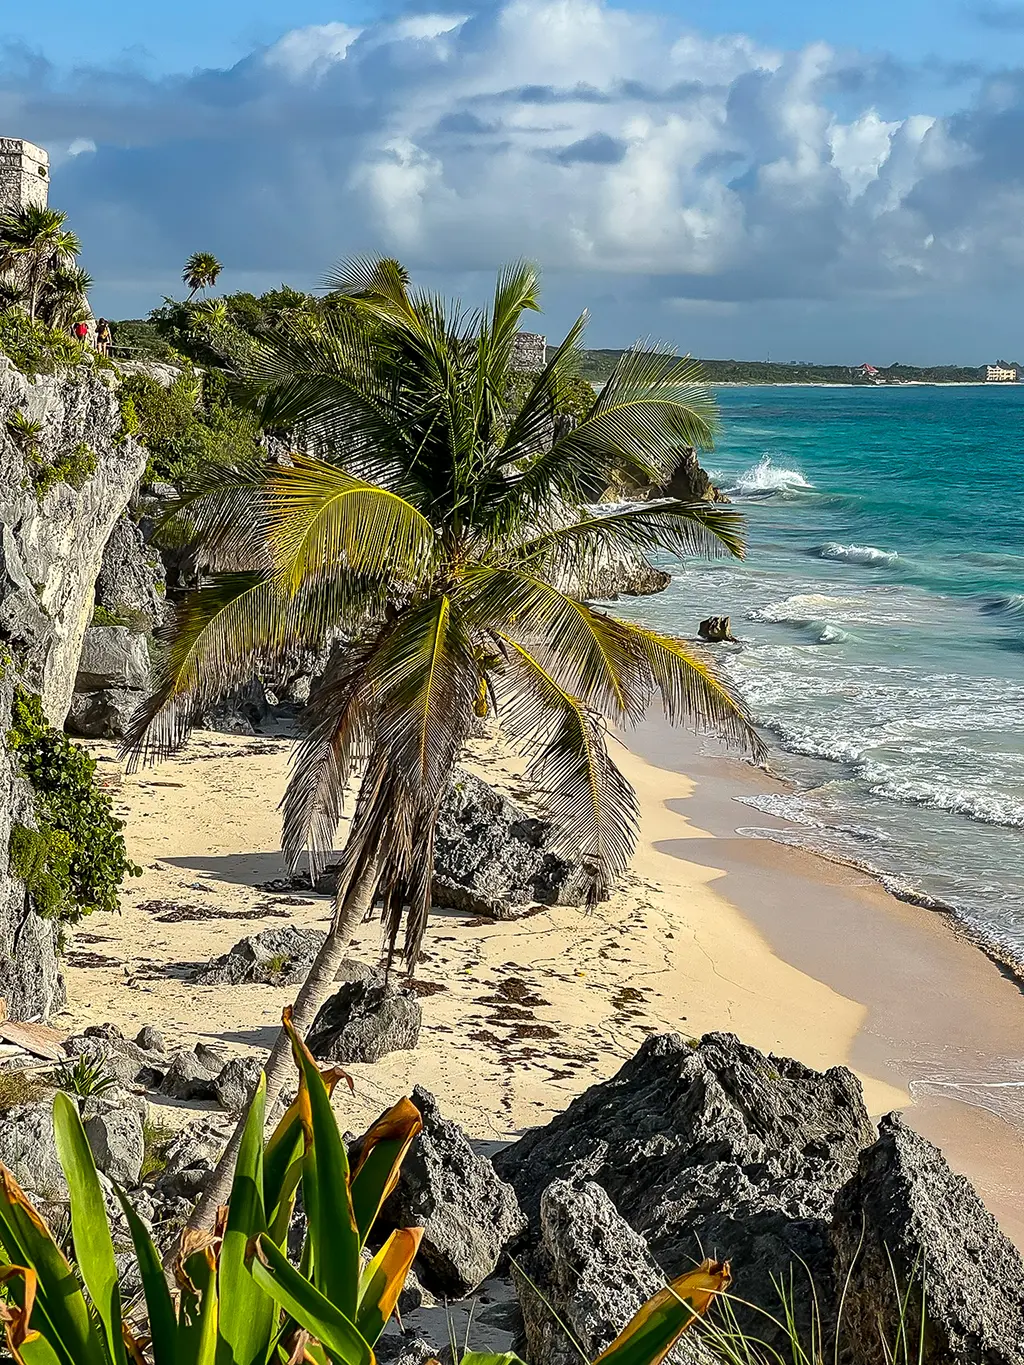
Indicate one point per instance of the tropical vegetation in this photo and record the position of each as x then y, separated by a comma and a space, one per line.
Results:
37, 266
240, 1296
201, 272
440, 537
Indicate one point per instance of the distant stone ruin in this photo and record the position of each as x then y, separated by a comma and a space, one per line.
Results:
529, 352
24, 174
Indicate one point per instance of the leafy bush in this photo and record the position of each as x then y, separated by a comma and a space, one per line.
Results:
34, 347
86, 1076
188, 426
75, 860
74, 467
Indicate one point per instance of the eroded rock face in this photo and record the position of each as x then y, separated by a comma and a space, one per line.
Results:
368, 1017
468, 1214
131, 575
281, 956
711, 1148
904, 1212
51, 548
494, 858
595, 1273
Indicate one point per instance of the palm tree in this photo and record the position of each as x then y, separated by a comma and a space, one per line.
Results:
33, 243
201, 272
63, 300
428, 529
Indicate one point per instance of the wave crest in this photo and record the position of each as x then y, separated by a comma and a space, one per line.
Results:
855, 554
1008, 604
766, 479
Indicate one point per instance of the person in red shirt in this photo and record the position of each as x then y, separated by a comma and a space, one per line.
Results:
81, 331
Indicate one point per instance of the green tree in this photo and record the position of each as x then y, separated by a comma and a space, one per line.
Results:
33, 244
202, 270
63, 300
429, 532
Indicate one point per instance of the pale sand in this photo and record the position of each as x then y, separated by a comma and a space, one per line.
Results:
669, 952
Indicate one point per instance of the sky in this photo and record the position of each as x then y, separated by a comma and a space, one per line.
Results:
796, 180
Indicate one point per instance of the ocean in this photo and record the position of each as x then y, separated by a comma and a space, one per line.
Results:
880, 613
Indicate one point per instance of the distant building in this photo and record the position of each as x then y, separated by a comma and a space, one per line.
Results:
869, 374
529, 352
1000, 374
24, 174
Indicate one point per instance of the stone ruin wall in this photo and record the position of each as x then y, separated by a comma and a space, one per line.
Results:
529, 352
24, 174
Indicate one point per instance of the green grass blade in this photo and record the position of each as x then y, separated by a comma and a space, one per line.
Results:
275, 1274
200, 1310
26, 1344
246, 1313
163, 1321
489, 1358
90, 1231
326, 1195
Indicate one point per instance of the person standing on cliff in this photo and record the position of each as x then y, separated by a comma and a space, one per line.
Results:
103, 336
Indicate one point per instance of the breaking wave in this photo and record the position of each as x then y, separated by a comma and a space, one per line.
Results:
855, 554
765, 479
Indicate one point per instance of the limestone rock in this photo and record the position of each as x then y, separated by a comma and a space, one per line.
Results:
690, 482
494, 858
710, 1148
131, 578
905, 1210
150, 1039
102, 715
278, 957
191, 1077
117, 1142
716, 629
468, 1214
397, 1348
191, 1156
366, 1019
128, 1063
164, 374
112, 656
28, 1150
236, 1081
594, 1273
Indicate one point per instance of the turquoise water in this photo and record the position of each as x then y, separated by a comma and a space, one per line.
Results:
881, 619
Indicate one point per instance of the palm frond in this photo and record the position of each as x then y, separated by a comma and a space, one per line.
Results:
691, 690
593, 807
321, 517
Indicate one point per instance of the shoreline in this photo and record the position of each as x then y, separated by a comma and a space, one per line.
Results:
937, 1002
684, 946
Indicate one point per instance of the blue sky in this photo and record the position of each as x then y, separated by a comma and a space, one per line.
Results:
811, 180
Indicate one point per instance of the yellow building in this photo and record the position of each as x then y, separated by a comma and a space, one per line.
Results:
997, 374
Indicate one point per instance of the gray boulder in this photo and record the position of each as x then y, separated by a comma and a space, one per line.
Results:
594, 1273
711, 1149
191, 1076
118, 1145
150, 1039
903, 1214
493, 857
715, 629
120, 1058
102, 715
277, 957
366, 1019
397, 1348
190, 1158
236, 1081
28, 1150
131, 580
112, 657
469, 1216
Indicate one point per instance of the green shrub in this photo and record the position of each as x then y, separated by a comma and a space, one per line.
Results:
75, 860
129, 617
34, 347
86, 1076
74, 467
189, 426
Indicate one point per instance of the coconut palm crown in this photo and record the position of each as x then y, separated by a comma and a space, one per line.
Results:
34, 243
431, 531
202, 270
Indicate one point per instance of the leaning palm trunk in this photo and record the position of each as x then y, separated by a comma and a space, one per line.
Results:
312, 994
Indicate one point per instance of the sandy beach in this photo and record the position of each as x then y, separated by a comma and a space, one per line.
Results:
711, 931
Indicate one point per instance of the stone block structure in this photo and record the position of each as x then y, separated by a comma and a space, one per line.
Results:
24, 174
529, 352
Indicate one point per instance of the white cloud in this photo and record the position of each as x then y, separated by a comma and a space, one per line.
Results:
602, 142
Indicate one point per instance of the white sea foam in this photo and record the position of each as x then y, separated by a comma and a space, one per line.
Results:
802, 609
765, 479
855, 554
1009, 604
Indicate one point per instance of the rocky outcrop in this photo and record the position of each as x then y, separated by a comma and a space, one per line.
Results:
691, 482
493, 857
366, 1019
589, 1273
131, 580
281, 956
468, 1215
715, 629
616, 573
112, 679
907, 1230
711, 1148
66, 476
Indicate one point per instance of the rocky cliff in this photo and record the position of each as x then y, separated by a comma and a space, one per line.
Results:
66, 476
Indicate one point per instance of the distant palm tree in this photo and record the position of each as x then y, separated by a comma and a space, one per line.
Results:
12, 292
201, 272
64, 297
428, 531
33, 243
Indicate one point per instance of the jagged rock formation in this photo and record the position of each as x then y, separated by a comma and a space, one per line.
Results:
370, 1016
131, 580
66, 476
